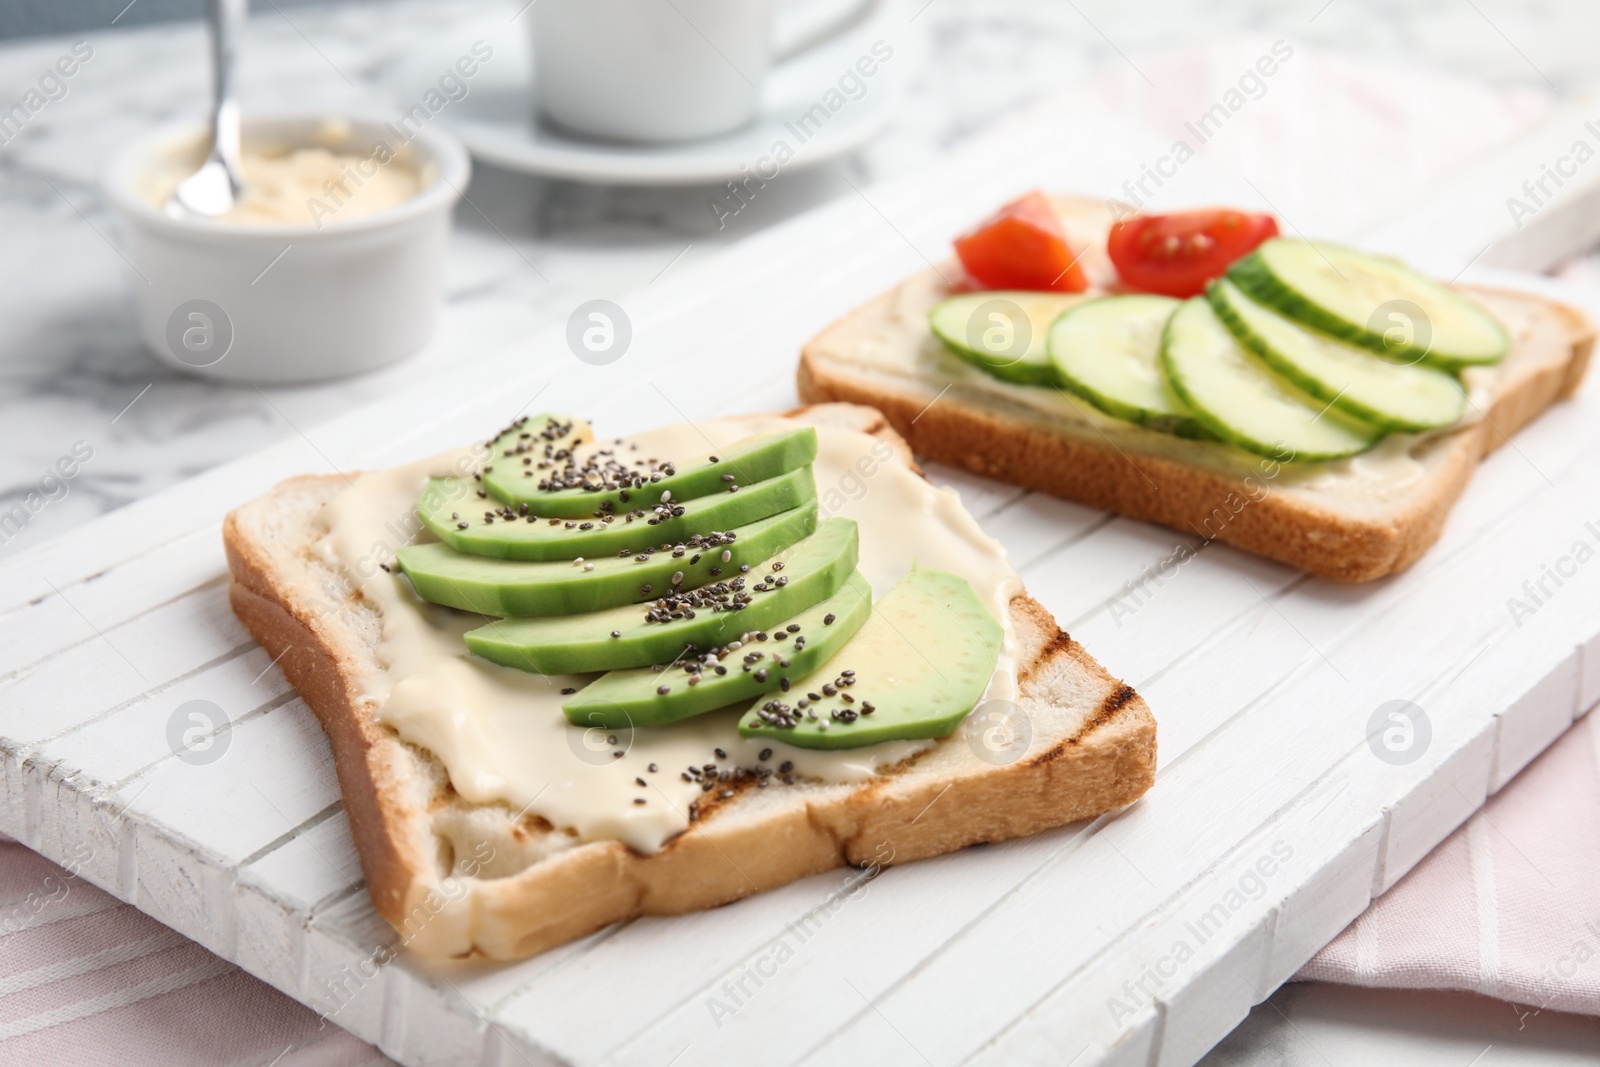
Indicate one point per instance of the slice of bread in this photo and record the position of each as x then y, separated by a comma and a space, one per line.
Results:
1093, 750
1353, 520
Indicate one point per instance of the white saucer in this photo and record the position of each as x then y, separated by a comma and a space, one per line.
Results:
496, 119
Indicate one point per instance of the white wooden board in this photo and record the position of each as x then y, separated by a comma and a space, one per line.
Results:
1137, 938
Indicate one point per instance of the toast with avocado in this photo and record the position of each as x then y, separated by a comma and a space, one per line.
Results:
1301, 400
567, 683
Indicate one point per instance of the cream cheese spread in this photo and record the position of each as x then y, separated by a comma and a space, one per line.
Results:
298, 185
500, 732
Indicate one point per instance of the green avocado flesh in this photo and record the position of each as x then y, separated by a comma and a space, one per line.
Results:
809, 571
917, 666
441, 575
616, 479
451, 508
696, 684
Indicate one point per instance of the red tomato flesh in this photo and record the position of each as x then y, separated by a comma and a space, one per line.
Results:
1176, 255
1022, 247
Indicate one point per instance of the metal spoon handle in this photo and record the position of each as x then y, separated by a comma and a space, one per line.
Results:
226, 18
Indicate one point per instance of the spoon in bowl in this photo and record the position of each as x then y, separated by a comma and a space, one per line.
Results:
214, 188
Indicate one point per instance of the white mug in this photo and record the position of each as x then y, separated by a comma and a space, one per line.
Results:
656, 71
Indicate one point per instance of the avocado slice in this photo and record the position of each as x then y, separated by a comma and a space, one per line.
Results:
552, 435
451, 508
913, 670
704, 618
537, 470
729, 675
441, 575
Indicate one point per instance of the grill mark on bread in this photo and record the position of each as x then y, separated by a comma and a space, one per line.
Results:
1058, 645
1109, 707
1061, 643
1108, 710
523, 830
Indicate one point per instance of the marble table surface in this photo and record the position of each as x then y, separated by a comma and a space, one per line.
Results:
527, 251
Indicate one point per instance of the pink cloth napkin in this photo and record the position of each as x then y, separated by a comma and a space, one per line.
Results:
90, 981
1507, 906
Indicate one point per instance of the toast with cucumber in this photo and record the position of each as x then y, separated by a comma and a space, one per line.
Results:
569, 682
1302, 400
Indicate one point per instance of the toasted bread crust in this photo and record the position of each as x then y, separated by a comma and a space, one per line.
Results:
1028, 449
311, 660
1107, 762
897, 818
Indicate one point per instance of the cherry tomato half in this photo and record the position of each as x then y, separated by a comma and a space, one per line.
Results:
1022, 247
1176, 255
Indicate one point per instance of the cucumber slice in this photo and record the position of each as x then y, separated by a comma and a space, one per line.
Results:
1002, 331
1108, 351
1356, 381
1237, 398
1371, 301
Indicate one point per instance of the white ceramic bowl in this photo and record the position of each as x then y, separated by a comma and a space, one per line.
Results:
295, 303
